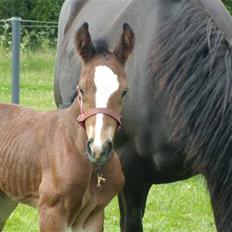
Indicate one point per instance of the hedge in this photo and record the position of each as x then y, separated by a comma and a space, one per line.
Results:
47, 10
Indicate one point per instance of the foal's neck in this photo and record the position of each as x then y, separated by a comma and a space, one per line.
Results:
74, 109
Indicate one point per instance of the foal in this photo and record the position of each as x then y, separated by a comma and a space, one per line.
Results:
64, 168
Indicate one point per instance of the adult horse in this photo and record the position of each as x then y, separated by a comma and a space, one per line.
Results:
177, 113
65, 169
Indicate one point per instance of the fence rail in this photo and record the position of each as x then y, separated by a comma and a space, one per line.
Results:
28, 21
16, 23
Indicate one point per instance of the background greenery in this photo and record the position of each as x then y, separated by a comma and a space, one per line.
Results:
228, 4
47, 10
33, 36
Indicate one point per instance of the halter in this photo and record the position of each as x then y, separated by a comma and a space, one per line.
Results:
85, 115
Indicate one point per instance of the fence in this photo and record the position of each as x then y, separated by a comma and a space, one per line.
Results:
16, 23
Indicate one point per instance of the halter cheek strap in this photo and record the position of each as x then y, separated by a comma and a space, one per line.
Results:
85, 115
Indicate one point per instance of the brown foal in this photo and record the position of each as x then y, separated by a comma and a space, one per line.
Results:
68, 170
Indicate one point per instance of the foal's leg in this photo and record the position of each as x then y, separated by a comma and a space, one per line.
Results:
52, 218
94, 223
52, 212
6, 207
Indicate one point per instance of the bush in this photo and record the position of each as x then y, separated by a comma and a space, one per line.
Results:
47, 10
228, 4
33, 36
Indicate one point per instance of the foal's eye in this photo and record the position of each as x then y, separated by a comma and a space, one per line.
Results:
81, 90
124, 92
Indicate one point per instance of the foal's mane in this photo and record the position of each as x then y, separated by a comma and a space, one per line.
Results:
101, 46
192, 64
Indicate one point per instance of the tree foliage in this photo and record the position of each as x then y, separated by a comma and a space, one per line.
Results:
228, 4
47, 10
33, 35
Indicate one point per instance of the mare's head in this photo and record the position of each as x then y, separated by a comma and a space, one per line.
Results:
101, 89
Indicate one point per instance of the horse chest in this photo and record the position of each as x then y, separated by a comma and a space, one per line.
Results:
95, 197
97, 192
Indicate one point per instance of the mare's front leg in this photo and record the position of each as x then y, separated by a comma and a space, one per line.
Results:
132, 200
6, 207
132, 203
221, 199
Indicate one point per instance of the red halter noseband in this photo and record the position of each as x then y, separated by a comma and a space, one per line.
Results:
84, 115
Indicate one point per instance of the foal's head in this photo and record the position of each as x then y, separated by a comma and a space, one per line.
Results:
101, 89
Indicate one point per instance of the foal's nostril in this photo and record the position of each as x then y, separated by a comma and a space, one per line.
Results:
107, 147
99, 155
90, 146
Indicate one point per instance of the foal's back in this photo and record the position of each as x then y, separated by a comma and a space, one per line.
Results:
26, 138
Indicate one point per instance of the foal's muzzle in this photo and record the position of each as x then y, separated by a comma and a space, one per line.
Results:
99, 156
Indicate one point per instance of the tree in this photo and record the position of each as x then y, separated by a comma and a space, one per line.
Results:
228, 4
47, 10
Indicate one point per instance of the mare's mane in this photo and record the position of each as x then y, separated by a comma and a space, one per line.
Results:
191, 63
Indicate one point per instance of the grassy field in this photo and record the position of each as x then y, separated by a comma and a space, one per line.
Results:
179, 207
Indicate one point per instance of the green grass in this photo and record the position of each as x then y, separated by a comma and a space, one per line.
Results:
178, 207
36, 83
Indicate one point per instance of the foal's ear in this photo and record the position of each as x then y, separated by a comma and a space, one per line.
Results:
84, 43
126, 44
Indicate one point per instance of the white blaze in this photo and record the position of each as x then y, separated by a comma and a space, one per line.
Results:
106, 83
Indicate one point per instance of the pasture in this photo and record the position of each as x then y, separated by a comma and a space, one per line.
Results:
178, 207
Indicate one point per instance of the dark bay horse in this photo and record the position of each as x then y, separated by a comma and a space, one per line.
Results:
65, 169
177, 113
